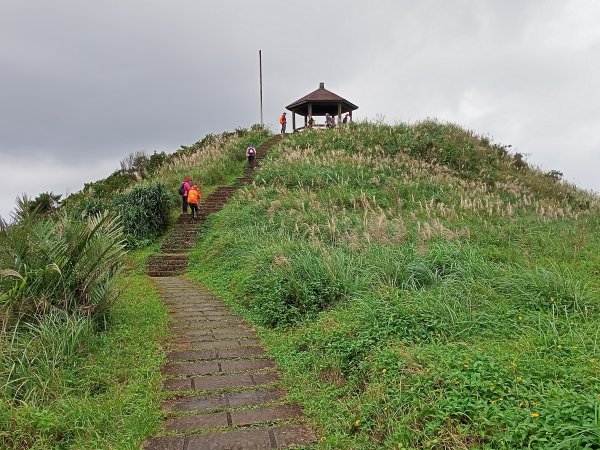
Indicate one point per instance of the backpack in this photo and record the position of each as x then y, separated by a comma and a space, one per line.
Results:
181, 189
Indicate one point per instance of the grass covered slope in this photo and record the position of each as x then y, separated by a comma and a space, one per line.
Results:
84, 389
421, 287
80, 339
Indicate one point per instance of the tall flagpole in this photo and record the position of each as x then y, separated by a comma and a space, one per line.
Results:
261, 97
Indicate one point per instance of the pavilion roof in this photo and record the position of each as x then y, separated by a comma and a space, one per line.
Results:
321, 97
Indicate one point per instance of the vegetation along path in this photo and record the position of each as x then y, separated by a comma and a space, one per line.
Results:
223, 390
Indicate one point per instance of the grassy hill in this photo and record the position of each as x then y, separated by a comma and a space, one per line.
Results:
81, 325
420, 286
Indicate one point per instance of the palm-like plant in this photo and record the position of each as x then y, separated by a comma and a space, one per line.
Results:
65, 264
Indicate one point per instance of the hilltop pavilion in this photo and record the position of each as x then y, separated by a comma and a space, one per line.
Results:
319, 103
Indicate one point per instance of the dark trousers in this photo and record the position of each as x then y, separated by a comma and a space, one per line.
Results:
194, 207
250, 160
184, 203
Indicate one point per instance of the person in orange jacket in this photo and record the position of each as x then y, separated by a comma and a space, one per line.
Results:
283, 122
193, 199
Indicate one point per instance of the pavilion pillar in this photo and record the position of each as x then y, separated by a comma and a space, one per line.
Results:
294, 121
339, 113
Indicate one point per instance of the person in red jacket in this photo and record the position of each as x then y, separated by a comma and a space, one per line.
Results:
283, 122
184, 189
193, 199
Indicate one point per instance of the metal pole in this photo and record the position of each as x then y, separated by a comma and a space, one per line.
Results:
261, 97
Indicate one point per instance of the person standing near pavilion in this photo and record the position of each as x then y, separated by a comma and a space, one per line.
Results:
283, 122
328, 121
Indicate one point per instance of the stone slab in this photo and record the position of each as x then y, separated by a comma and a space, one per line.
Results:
214, 345
254, 397
249, 342
254, 439
220, 334
191, 338
265, 378
197, 422
246, 365
177, 384
205, 368
208, 383
183, 332
244, 352
165, 443
269, 414
195, 403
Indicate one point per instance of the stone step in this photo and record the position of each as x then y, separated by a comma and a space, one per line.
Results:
175, 370
165, 273
259, 438
167, 265
167, 268
183, 234
246, 417
175, 241
228, 400
208, 354
176, 249
169, 256
210, 383
166, 262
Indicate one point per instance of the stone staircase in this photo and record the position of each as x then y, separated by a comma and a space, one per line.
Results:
221, 390
173, 260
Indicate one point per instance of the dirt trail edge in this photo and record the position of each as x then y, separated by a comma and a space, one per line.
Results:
222, 391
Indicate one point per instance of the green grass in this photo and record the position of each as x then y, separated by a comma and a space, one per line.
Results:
420, 287
72, 381
101, 393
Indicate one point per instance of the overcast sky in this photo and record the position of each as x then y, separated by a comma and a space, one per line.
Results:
84, 83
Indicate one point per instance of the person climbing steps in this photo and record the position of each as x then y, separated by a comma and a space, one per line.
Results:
193, 199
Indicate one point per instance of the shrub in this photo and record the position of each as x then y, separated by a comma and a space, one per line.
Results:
294, 286
68, 265
144, 212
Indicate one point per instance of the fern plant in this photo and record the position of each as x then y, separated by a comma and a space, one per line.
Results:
66, 264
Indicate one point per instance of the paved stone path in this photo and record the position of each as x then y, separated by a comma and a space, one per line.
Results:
222, 390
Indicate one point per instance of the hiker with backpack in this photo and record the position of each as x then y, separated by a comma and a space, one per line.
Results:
193, 199
184, 189
250, 154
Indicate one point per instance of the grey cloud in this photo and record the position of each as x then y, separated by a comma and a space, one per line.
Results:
84, 82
